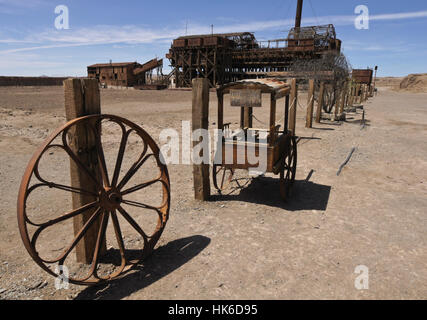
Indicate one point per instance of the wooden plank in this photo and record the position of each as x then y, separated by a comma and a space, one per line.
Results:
320, 102
82, 98
310, 104
200, 115
293, 106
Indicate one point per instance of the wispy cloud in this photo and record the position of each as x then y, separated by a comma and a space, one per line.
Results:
105, 34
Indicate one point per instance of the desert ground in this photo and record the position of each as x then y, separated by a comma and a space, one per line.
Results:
247, 243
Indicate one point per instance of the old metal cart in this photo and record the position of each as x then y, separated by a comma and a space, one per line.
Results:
280, 145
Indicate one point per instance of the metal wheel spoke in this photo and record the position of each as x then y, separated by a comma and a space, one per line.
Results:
100, 151
132, 222
119, 236
223, 176
79, 163
80, 235
99, 241
119, 160
140, 205
133, 170
140, 186
68, 215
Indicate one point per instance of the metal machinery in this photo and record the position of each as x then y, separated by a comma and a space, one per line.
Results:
280, 145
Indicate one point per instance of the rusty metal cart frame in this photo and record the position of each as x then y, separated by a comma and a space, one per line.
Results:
280, 145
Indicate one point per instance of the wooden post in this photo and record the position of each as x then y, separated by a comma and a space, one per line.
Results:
310, 104
202, 187
320, 102
352, 94
343, 97
247, 117
272, 119
82, 98
293, 107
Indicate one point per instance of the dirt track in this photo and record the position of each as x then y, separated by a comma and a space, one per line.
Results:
248, 244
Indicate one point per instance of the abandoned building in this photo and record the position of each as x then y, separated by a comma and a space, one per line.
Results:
127, 74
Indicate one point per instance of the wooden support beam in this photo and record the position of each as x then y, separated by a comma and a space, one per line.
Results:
320, 102
293, 106
200, 110
82, 98
310, 104
272, 119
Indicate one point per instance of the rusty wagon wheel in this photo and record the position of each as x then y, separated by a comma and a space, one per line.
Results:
128, 225
222, 176
288, 171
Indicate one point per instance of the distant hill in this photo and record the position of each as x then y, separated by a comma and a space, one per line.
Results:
414, 83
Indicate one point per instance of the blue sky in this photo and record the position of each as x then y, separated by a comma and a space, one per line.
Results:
30, 45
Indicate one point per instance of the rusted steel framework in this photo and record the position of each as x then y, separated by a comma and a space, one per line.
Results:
224, 58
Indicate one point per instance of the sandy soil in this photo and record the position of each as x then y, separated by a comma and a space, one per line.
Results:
247, 243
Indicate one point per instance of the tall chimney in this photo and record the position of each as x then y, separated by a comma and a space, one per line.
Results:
299, 14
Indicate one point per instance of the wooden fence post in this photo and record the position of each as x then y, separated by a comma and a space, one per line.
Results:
352, 94
310, 104
200, 109
357, 93
320, 102
343, 98
82, 98
293, 107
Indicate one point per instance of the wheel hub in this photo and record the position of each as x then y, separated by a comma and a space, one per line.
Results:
110, 199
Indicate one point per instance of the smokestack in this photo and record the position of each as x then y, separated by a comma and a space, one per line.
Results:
299, 14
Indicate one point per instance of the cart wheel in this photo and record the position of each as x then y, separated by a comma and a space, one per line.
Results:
224, 173
116, 208
287, 174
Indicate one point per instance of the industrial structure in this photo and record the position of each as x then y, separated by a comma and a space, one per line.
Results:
128, 74
228, 57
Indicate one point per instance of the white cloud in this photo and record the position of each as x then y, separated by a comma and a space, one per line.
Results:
105, 34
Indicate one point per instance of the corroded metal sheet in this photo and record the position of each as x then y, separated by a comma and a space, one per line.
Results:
245, 98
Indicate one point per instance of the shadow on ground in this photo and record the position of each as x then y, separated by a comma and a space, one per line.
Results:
162, 262
305, 195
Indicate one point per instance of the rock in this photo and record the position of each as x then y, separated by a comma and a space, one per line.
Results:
2, 290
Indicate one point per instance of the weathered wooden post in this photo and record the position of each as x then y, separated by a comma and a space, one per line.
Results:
200, 109
357, 94
352, 94
310, 104
247, 117
293, 108
82, 98
320, 102
343, 98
